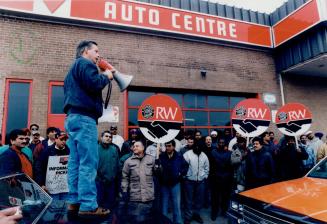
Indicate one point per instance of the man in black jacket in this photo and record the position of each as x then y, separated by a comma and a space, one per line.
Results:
260, 168
83, 105
174, 167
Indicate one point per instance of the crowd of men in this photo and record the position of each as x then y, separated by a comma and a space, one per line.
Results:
136, 177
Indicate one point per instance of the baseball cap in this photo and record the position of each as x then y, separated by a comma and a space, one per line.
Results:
61, 135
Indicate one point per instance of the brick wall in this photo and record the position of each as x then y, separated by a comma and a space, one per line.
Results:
44, 52
310, 91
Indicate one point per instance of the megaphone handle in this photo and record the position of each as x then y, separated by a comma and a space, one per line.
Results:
106, 102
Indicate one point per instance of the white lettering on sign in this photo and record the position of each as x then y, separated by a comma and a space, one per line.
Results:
110, 10
296, 115
187, 22
256, 113
174, 19
163, 113
154, 17
131, 13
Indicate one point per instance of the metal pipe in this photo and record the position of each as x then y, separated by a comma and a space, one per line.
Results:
281, 88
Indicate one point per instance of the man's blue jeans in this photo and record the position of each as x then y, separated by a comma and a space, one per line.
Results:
174, 192
83, 161
194, 192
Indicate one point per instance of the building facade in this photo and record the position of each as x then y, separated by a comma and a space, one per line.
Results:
206, 75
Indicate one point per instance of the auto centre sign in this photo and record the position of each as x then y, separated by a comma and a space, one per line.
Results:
148, 16
160, 118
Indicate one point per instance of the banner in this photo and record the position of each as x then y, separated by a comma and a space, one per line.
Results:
56, 179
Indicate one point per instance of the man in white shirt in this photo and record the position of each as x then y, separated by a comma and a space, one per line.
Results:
116, 139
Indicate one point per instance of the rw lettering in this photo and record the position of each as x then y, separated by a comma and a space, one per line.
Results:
164, 113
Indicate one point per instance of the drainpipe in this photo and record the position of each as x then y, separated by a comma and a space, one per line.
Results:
281, 88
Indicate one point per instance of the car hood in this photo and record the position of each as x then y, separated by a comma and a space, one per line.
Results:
307, 196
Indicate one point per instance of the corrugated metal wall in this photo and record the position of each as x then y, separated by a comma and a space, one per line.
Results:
284, 10
305, 46
215, 9
302, 48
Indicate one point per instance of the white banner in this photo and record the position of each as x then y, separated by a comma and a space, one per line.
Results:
56, 179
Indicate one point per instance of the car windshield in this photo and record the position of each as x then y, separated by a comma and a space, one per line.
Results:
320, 171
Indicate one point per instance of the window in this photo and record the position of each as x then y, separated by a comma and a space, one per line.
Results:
17, 105
56, 116
200, 111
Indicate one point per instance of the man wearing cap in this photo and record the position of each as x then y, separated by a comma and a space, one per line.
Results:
59, 148
116, 138
133, 136
313, 142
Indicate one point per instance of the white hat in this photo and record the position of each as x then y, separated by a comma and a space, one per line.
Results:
308, 132
214, 133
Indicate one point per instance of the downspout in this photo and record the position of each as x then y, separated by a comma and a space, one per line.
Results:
281, 88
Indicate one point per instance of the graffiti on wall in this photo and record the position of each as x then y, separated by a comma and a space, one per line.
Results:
22, 46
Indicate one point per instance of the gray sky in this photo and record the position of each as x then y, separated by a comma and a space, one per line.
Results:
266, 6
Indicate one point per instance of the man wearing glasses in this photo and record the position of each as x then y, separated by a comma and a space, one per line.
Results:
107, 171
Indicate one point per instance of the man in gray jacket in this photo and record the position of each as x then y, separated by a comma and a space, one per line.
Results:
137, 184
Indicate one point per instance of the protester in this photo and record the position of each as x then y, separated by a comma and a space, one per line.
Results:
311, 160
59, 148
138, 186
222, 179
50, 140
107, 171
194, 184
189, 145
134, 135
35, 127
83, 87
116, 138
322, 152
174, 168
35, 140
14, 160
214, 138
260, 169
291, 160
238, 160
313, 142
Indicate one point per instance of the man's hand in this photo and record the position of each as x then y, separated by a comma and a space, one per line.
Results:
10, 215
109, 74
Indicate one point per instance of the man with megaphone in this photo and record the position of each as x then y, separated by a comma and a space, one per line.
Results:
84, 105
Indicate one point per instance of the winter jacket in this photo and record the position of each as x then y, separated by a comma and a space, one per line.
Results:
108, 167
322, 152
290, 161
26, 150
238, 160
260, 169
198, 169
222, 166
83, 89
10, 162
137, 178
172, 169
